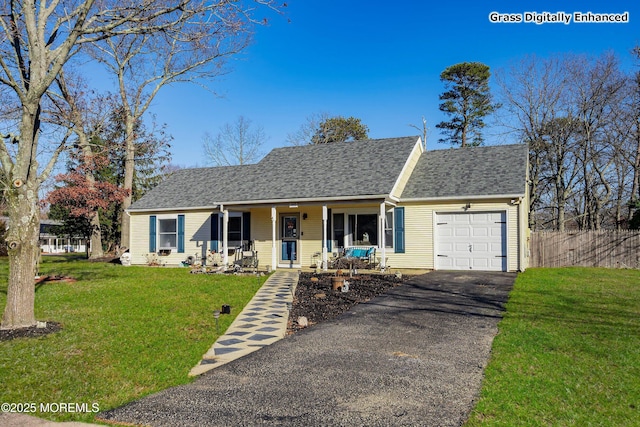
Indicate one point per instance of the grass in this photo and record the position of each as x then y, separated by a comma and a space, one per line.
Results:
127, 332
567, 352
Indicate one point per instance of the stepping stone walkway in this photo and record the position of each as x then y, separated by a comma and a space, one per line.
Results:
262, 322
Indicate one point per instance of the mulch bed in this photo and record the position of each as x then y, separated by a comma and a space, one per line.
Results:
315, 299
32, 332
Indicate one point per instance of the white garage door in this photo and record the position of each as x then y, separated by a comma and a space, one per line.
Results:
471, 241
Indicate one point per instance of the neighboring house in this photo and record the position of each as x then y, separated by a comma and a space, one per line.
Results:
447, 209
54, 243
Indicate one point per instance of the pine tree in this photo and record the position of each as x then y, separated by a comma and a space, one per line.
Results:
467, 101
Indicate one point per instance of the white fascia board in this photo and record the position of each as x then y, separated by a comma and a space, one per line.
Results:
271, 203
176, 209
461, 198
418, 146
309, 200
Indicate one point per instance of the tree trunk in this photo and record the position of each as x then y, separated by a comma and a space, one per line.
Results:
96, 238
21, 193
129, 167
22, 240
96, 233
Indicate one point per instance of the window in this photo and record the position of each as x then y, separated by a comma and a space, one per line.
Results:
238, 229
338, 230
362, 229
388, 230
234, 230
168, 233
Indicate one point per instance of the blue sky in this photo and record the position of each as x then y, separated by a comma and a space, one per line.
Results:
379, 61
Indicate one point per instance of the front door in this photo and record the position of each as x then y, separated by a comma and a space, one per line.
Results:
290, 236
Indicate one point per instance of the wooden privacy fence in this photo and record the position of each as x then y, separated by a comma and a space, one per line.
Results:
603, 248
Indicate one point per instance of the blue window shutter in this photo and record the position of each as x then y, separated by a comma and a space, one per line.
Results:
152, 233
398, 230
329, 241
180, 234
215, 235
246, 226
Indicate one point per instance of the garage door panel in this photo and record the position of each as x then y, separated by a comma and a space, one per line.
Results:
461, 232
471, 240
461, 246
482, 247
462, 264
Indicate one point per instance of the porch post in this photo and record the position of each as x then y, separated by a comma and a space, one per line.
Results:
274, 252
383, 237
324, 237
225, 237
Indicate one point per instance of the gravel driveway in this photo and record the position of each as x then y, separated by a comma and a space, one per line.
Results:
414, 356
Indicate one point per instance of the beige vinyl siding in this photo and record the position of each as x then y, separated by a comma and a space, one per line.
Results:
419, 231
261, 235
197, 233
311, 239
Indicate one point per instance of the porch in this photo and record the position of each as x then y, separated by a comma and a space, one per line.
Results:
301, 236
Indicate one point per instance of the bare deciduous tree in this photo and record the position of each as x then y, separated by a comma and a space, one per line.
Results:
192, 50
236, 143
37, 39
424, 131
304, 134
573, 111
78, 109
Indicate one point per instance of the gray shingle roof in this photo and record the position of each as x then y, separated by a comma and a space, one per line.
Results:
351, 169
472, 171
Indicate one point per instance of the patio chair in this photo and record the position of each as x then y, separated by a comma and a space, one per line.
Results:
357, 257
245, 259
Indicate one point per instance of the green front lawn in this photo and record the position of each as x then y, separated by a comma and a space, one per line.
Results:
567, 352
127, 332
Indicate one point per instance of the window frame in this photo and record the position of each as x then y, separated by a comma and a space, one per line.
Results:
349, 234
239, 232
160, 234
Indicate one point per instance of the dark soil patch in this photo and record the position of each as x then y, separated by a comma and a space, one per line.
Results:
315, 299
55, 279
32, 332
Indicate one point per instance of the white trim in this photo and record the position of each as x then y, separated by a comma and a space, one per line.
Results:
325, 235
274, 245
282, 202
289, 266
225, 236
181, 209
165, 217
406, 165
382, 230
522, 235
462, 199
365, 211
